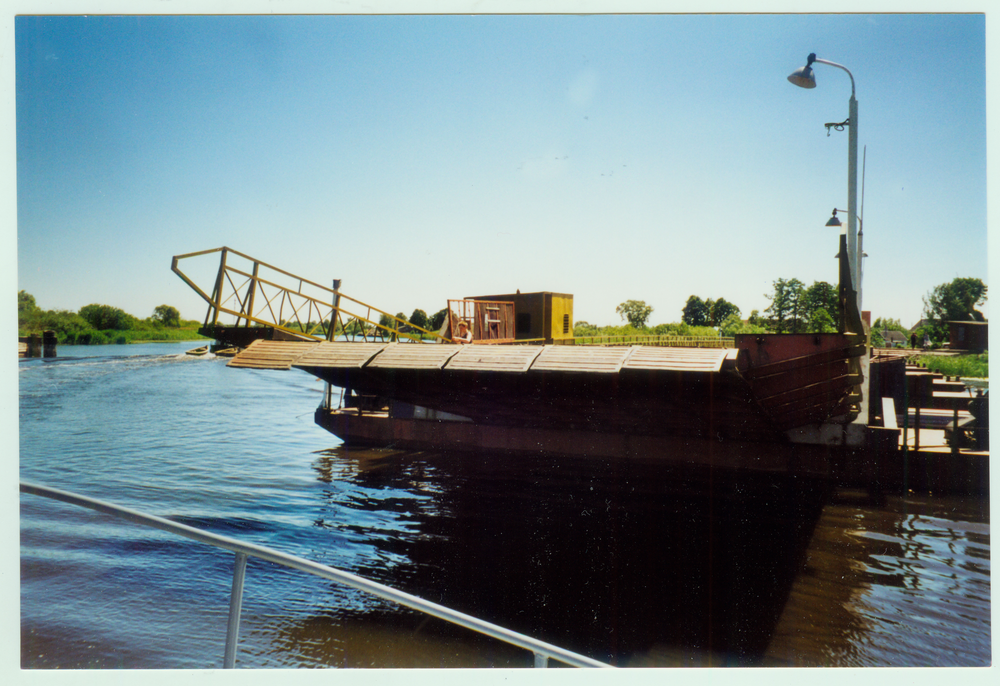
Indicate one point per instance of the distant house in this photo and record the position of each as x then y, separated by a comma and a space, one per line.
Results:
894, 339
919, 325
971, 336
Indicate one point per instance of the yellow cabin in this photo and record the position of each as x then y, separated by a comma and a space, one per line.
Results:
545, 316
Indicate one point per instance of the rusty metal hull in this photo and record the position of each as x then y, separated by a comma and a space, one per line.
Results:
380, 430
753, 394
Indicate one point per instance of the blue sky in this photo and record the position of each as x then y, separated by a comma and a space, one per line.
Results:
422, 158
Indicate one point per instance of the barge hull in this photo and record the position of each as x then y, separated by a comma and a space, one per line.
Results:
378, 429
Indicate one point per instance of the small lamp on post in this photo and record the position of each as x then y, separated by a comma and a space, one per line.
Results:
835, 222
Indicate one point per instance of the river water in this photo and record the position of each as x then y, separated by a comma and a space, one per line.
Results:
637, 564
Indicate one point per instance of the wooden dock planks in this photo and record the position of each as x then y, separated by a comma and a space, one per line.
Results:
264, 354
564, 358
677, 359
495, 358
414, 356
340, 355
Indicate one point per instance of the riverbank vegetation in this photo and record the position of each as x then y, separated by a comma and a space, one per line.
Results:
965, 366
97, 324
794, 308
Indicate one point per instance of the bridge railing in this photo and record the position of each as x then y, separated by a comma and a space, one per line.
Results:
541, 650
257, 293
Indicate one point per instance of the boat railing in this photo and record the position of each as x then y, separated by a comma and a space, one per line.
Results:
656, 340
542, 651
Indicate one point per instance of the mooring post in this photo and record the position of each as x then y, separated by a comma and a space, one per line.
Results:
235, 607
49, 341
34, 346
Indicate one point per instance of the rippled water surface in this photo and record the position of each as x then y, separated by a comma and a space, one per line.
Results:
633, 563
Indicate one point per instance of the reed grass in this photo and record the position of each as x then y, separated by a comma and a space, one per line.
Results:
968, 366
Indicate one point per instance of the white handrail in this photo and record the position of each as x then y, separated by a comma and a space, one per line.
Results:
543, 651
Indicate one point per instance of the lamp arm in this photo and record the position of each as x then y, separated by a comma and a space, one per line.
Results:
840, 66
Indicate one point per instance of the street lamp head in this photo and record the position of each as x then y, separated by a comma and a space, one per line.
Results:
803, 77
833, 221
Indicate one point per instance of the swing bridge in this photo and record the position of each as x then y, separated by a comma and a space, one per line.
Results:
251, 299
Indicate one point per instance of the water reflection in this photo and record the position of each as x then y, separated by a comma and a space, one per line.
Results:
613, 559
904, 585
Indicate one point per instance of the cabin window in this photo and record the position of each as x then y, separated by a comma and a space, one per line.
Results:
565, 324
522, 323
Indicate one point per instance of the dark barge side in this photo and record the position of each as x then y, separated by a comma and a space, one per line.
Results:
772, 403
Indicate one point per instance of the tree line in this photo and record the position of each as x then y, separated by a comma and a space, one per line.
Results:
797, 308
794, 308
98, 324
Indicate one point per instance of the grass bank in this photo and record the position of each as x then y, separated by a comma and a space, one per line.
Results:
969, 366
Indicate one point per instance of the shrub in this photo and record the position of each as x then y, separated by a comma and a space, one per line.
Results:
970, 366
104, 317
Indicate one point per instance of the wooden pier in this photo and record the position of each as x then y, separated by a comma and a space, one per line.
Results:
921, 451
37, 346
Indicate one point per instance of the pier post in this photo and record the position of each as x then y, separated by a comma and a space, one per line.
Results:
49, 341
34, 346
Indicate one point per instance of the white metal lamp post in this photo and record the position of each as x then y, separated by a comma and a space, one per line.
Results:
804, 78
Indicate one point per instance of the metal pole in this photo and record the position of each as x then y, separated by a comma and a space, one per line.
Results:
335, 314
852, 195
235, 606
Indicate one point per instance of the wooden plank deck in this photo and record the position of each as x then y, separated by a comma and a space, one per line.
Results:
414, 356
678, 359
564, 358
264, 354
340, 355
495, 358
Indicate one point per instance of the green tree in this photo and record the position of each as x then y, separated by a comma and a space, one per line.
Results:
401, 324
732, 325
167, 315
695, 312
821, 295
756, 320
437, 319
419, 318
69, 326
635, 312
785, 309
105, 317
820, 321
955, 301
25, 304
720, 310
582, 328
